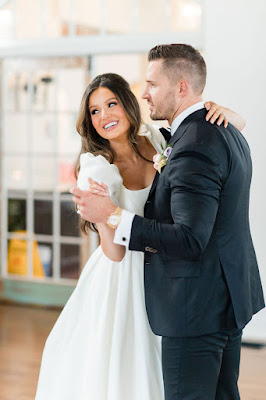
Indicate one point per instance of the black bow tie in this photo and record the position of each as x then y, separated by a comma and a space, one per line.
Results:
166, 134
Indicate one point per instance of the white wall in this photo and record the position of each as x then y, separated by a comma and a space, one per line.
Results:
235, 52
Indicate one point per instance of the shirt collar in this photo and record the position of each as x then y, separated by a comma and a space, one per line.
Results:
180, 118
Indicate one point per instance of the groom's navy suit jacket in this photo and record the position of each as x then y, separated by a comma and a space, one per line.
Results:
201, 273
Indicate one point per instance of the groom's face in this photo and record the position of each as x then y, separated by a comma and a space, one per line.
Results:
159, 93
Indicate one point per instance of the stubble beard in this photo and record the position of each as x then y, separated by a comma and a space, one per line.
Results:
157, 117
165, 109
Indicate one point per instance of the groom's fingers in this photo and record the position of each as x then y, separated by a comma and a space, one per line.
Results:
77, 192
77, 200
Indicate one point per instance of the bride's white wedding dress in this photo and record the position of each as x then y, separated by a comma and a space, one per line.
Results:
102, 347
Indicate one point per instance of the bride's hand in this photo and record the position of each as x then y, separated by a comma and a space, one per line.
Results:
98, 188
216, 113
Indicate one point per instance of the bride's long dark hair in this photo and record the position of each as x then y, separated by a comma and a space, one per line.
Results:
91, 141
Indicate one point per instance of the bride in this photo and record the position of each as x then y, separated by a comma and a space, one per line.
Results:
102, 347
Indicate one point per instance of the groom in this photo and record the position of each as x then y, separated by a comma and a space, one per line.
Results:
202, 283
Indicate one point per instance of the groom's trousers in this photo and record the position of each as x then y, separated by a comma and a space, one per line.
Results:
202, 368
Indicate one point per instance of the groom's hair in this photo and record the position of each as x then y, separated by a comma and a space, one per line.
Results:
181, 61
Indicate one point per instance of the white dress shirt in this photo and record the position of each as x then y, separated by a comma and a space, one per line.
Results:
123, 231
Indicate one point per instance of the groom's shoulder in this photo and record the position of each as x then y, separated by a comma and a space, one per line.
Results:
204, 140
203, 132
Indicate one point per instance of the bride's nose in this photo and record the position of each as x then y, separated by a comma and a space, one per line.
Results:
105, 113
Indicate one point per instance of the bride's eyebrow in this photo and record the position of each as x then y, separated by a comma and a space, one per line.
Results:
111, 98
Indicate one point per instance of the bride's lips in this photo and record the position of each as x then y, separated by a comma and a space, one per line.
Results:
111, 127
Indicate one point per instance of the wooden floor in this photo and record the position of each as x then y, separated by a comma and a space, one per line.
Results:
23, 332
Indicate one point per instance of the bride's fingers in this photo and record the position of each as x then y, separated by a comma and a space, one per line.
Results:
96, 188
220, 119
207, 105
92, 182
105, 187
94, 185
98, 191
225, 122
215, 116
211, 112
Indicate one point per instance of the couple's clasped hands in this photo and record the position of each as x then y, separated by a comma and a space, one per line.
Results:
94, 204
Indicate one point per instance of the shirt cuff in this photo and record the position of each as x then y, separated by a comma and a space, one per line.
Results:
123, 231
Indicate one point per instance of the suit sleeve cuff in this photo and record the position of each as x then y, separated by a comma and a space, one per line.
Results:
123, 231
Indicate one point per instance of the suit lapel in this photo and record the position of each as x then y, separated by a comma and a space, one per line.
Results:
154, 183
200, 114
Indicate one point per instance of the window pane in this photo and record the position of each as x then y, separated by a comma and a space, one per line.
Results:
67, 178
28, 19
17, 91
127, 65
43, 174
16, 172
69, 141
118, 16
46, 257
44, 91
70, 256
43, 219
185, 15
16, 215
12, 90
17, 257
17, 132
151, 22
69, 219
87, 17
6, 21
43, 135
69, 95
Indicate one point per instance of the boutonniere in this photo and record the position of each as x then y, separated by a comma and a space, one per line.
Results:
160, 159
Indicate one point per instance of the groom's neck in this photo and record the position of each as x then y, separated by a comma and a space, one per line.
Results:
186, 103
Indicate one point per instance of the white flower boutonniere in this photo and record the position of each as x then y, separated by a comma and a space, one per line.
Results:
160, 159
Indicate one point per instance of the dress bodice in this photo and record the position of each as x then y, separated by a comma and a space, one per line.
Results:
134, 200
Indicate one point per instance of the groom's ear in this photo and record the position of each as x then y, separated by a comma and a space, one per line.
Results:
182, 88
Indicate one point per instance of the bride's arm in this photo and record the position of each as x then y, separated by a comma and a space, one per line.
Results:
223, 115
113, 251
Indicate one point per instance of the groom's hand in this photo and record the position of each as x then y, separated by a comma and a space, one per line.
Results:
92, 207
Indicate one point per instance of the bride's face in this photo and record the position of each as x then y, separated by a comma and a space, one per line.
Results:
107, 115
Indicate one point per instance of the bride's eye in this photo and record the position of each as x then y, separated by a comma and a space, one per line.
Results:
113, 103
94, 112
